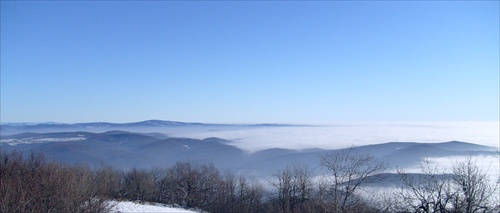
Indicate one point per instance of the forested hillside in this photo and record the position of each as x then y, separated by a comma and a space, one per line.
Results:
34, 184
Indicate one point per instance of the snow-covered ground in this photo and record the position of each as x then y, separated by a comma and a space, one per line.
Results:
129, 206
14, 142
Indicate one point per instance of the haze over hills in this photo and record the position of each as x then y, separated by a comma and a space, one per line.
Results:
407, 82
256, 137
14, 128
257, 150
126, 150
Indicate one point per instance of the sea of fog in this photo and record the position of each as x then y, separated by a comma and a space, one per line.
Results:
340, 135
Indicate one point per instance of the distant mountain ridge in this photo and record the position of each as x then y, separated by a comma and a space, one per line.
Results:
152, 122
44, 127
107, 124
126, 150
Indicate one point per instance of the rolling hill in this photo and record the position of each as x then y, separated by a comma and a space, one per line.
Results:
126, 150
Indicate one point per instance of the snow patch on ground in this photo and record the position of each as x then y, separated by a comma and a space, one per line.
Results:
130, 206
14, 142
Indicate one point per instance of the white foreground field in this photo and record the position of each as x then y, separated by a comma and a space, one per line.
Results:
129, 206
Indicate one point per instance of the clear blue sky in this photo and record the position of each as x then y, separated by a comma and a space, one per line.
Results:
250, 62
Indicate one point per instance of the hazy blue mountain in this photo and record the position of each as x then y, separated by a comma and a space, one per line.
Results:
125, 150
15, 128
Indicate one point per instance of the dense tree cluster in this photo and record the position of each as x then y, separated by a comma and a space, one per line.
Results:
193, 186
33, 184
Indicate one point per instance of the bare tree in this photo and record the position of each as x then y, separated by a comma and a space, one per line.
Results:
467, 189
237, 194
107, 181
346, 171
474, 190
429, 191
194, 185
294, 186
251, 198
139, 185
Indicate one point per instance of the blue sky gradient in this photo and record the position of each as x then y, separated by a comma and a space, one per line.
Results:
249, 62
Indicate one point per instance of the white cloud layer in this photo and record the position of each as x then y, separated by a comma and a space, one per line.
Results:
346, 134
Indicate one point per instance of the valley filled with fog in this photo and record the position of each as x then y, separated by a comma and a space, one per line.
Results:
255, 137
254, 106
392, 158
342, 135
155, 142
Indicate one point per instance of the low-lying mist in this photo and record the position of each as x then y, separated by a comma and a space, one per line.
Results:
349, 134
